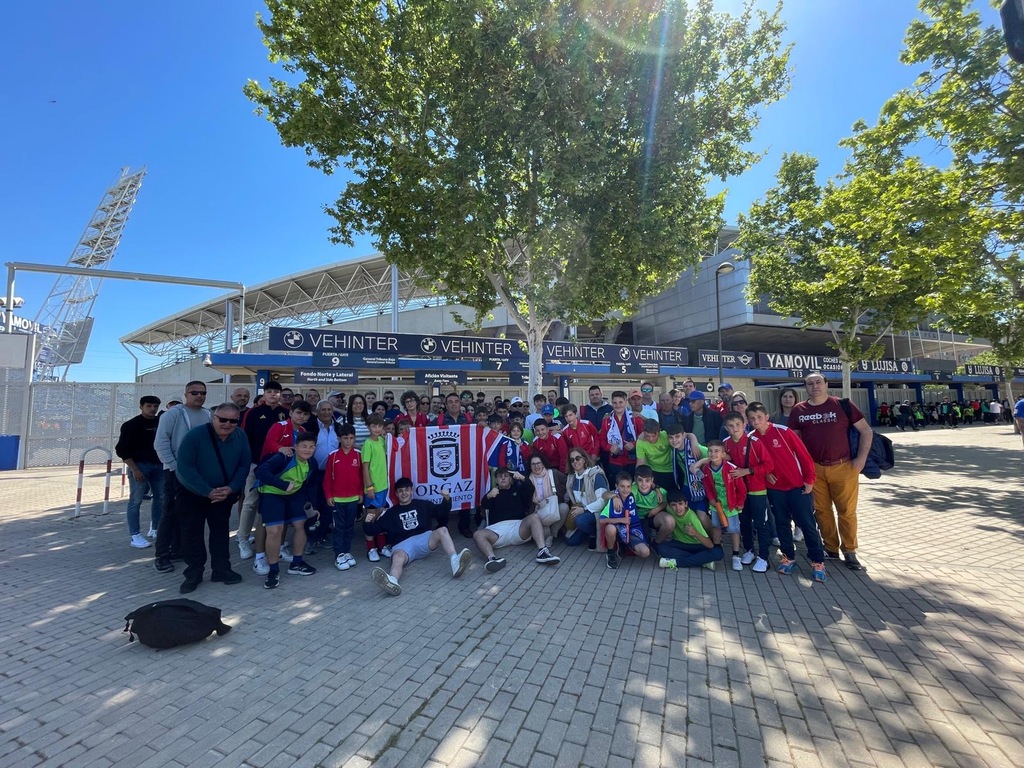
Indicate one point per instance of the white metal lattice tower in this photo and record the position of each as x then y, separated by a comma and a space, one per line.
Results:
66, 315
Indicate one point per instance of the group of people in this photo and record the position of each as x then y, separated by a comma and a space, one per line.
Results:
948, 413
690, 481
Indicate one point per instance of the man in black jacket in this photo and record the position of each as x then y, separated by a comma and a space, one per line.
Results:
408, 527
509, 521
702, 421
145, 470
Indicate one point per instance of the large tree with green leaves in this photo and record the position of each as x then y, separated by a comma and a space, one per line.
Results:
548, 156
854, 255
969, 105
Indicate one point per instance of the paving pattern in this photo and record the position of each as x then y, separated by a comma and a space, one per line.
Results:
919, 661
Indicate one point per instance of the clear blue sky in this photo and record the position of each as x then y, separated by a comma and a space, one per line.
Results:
92, 87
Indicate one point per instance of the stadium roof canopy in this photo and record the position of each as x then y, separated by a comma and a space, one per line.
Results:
338, 292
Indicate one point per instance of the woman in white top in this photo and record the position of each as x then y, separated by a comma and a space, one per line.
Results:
584, 492
545, 496
356, 416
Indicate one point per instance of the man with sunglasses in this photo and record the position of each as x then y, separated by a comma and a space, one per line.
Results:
174, 424
213, 463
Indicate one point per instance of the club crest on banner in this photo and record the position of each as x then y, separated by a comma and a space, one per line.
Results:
443, 454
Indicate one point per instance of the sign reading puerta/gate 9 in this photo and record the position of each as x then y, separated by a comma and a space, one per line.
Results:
455, 459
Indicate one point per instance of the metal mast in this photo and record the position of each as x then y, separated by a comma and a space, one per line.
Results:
66, 315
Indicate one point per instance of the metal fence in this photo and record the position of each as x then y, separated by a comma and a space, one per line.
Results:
67, 418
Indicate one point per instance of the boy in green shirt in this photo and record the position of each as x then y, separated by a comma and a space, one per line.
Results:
654, 451
375, 480
650, 505
690, 544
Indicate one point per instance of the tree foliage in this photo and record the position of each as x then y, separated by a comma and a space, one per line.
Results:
853, 255
968, 103
549, 156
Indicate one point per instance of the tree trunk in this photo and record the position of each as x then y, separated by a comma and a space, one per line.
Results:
535, 349
847, 378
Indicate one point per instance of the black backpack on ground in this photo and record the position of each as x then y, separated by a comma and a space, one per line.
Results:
168, 623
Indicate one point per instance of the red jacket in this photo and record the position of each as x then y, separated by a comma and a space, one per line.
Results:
749, 453
735, 490
343, 475
421, 420
281, 434
624, 457
553, 449
585, 437
793, 464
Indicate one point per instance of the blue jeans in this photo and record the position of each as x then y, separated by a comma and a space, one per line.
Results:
586, 529
151, 482
344, 522
795, 506
688, 555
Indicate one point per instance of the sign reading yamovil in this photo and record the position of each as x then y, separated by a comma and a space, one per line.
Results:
798, 365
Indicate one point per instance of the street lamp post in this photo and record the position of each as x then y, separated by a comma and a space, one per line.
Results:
722, 269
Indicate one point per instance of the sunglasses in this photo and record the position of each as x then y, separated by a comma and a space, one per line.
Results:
739, 402
577, 458
222, 420
646, 391
388, 398
196, 393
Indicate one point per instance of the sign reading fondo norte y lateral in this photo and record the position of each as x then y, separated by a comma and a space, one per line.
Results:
353, 347
325, 376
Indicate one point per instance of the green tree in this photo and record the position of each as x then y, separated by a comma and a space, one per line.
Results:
853, 255
969, 105
548, 156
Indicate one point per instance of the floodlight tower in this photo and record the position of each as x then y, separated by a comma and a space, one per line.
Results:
66, 315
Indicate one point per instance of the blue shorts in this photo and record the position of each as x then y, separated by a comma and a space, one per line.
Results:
636, 535
378, 500
276, 509
416, 547
732, 527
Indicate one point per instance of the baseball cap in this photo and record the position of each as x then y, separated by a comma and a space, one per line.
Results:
725, 385
635, 393
548, 410
695, 395
516, 401
335, 393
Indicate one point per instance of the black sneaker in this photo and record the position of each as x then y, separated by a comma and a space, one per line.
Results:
851, 561
494, 564
164, 565
228, 577
273, 580
592, 544
545, 557
613, 561
189, 585
831, 555
302, 569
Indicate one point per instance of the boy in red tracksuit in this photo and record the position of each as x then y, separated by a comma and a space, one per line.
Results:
726, 495
343, 489
579, 433
550, 446
790, 485
284, 433
753, 463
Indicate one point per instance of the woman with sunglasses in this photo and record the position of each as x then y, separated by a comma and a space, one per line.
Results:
545, 496
584, 491
737, 404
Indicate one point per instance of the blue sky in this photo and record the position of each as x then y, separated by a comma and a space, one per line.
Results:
92, 87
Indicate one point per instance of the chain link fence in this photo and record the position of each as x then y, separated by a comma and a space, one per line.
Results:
66, 418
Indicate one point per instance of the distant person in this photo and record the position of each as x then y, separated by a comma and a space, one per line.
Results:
145, 470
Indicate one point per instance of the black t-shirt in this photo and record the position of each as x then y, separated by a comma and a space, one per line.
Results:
258, 422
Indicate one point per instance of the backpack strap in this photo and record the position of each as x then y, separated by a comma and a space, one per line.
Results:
220, 458
845, 403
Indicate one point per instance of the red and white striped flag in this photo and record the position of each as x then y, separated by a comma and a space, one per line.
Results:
456, 459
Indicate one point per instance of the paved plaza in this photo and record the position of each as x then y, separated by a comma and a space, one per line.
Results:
919, 661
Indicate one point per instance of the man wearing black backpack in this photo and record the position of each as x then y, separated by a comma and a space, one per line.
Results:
213, 463
822, 423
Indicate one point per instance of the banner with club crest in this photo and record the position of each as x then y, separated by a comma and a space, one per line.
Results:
457, 459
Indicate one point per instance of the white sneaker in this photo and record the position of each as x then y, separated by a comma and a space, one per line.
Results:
151, 534
351, 560
285, 554
373, 556
385, 581
798, 535
341, 562
460, 563
244, 550
385, 551
760, 565
748, 557
260, 566
737, 563
140, 542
